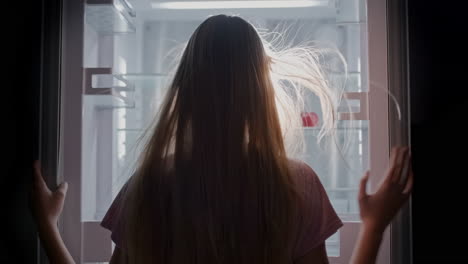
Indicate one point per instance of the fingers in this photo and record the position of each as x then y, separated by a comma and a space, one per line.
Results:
62, 189
403, 177
403, 165
401, 171
398, 163
410, 181
362, 186
37, 168
393, 156
38, 179
392, 167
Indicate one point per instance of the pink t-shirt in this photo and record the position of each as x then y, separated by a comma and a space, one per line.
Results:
318, 221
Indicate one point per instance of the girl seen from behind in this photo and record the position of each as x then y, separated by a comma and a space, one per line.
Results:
216, 182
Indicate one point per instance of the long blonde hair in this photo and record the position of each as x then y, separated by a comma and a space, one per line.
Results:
214, 183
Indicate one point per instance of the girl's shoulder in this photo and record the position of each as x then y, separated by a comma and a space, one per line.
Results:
302, 172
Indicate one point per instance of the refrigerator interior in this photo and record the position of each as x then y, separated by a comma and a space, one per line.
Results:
131, 47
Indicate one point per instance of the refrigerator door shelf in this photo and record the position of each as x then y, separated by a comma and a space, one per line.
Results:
118, 90
110, 17
108, 90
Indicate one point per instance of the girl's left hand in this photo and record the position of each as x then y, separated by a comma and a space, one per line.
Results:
47, 205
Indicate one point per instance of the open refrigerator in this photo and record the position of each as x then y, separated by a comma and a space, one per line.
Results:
117, 56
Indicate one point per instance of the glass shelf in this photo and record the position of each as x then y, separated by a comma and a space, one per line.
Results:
143, 80
133, 80
113, 101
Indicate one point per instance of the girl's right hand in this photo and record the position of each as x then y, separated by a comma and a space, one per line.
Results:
377, 210
47, 205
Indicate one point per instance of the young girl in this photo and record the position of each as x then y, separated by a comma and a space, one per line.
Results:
215, 184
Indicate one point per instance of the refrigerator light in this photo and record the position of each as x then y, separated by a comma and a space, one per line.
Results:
237, 4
